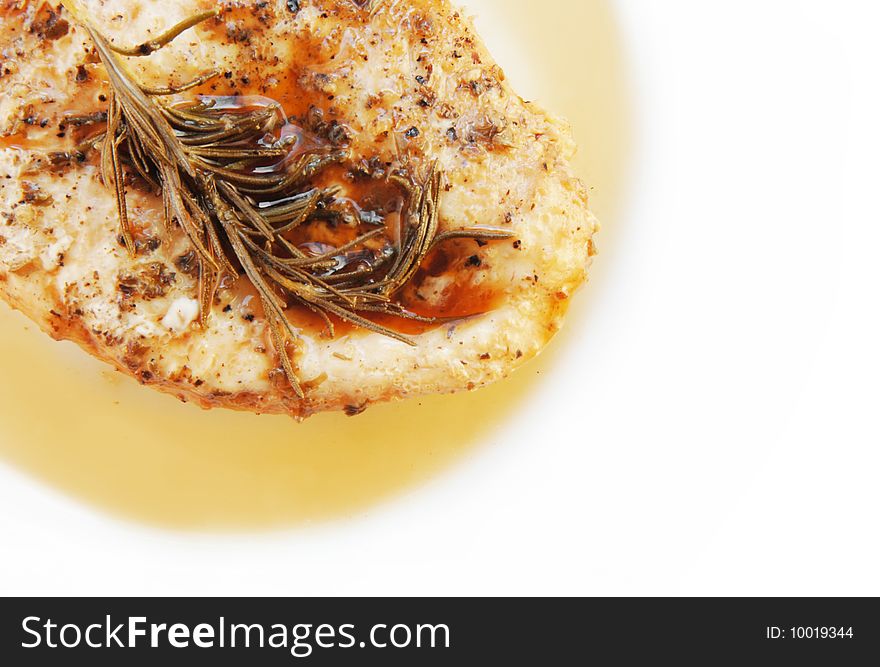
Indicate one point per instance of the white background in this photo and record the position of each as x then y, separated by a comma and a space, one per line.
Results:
707, 423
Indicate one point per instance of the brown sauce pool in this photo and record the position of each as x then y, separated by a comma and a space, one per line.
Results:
306, 109
460, 299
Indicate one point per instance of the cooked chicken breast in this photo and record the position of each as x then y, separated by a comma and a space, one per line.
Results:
401, 84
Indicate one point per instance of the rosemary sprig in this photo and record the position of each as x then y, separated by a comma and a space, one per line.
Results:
236, 195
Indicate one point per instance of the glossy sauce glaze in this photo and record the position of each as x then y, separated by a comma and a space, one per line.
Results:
366, 197
361, 180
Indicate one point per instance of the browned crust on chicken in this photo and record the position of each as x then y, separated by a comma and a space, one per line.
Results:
403, 81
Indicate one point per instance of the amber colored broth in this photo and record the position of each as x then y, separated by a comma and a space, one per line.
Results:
99, 437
